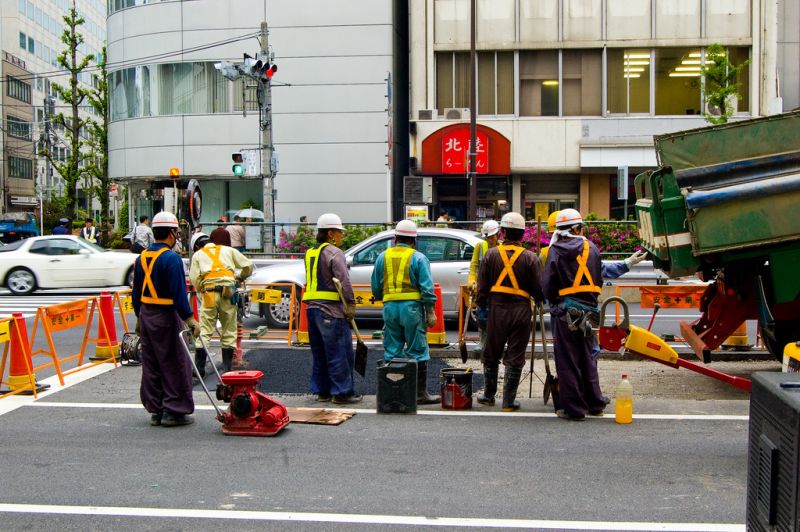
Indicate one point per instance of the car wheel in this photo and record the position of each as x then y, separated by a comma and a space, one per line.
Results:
21, 281
277, 314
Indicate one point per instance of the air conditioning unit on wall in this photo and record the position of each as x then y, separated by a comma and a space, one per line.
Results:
417, 189
427, 114
456, 113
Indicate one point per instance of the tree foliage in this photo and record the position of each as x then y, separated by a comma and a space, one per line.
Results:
98, 134
721, 87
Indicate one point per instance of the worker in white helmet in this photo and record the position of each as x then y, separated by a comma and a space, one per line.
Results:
215, 272
328, 330
402, 280
491, 237
507, 280
572, 279
162, 308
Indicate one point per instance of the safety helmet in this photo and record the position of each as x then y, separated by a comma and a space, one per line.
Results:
551, 221
512, 220
329, 221
490, 227
568, 218
164, 219
406, 228
197, 239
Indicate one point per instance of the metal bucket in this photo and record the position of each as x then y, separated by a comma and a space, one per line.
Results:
456, 388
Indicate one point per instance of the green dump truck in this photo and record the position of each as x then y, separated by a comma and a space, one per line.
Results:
724, 205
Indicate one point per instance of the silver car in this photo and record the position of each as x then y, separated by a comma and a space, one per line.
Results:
449, 252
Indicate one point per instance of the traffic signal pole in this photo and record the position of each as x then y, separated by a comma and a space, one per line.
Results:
267, 171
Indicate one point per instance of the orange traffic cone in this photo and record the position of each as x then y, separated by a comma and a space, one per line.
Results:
21, 378
436, 335
739, 339
302, 328
107, 344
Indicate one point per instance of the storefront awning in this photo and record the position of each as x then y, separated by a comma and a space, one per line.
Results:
444, 152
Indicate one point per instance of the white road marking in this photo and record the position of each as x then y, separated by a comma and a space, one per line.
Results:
467, 413
371, 519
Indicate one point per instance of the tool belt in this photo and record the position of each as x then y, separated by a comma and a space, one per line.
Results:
228, 291
581, 317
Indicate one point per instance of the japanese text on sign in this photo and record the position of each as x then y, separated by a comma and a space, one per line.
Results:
266, 296
67, 315
127, 305
671, 296
455, 152
364, 298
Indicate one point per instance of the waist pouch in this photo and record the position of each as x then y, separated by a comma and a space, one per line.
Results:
580, 316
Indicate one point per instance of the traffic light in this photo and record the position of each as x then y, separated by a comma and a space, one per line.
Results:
238, 164
252, 67
228, 70
269, 70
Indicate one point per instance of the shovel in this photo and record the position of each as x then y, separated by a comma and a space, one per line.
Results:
182, 336
550, 381
462, 343
360, 364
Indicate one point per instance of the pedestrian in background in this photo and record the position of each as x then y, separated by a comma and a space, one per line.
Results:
89, 231
328, 330
443, 219
162, 308
570, 279
402, 279
61, 228
220, 236
236, 232
142, 235
508, 278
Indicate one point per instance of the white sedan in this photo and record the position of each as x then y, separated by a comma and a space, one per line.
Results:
62, 261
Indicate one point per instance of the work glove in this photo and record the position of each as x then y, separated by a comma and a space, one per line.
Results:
430, 317
349, 311
636, 258
193, 326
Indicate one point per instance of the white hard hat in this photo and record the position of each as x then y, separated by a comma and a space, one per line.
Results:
406, 228
568, 218
512, 220
164, 219
329, 221
197, 237
490, 227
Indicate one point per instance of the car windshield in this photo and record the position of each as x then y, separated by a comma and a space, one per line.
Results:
12, 246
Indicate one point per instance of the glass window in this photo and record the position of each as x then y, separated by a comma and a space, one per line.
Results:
538, 79
677, 83
628, 81
31, 45
20, 168
22, 6
439, 249
452, 88
581, 77
31, 11
19, 128
739, 55
23, 41
39, 247
38, 16
62, 246
495, 83
370, 254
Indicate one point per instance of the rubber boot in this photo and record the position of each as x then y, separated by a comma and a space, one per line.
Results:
200, 358
489, 385
510, 385
423, 397
227, 358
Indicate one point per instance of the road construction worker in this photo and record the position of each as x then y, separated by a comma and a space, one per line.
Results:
491, 235
213, 273
89, 231
572, 279
402, 279
507, 280
162, 308
328, 330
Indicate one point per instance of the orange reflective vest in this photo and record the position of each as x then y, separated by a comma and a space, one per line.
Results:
580, 275
312, 280
397, 275
508, 272
218, 270
149, 294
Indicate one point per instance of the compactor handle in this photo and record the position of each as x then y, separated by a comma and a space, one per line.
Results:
625, 323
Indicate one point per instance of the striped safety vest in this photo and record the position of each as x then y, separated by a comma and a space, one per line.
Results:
149, 294
313, 290
397, 275
508, 272
218, 270
580, 275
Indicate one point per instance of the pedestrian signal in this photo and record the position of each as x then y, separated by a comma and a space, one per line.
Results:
238, 164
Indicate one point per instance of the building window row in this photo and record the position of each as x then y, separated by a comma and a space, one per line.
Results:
18, 89
19, 128
175, 88
538, 21
20, 168
660, 81
55, 26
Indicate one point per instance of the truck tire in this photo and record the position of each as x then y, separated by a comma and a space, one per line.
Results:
277, 315
21, 281
784, 332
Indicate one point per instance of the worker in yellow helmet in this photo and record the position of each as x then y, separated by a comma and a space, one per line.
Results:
491, 236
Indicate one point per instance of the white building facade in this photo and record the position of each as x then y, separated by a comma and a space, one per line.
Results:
170, 108
570, 91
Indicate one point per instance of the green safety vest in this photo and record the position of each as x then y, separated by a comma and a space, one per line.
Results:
313, 290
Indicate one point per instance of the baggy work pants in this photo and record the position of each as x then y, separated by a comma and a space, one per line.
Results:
166, 370
332, 353
404, 331
509, 323
214, 307
579, 385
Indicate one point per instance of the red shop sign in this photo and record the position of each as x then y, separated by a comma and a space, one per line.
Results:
455, 146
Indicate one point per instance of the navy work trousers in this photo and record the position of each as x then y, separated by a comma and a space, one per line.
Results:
332, 352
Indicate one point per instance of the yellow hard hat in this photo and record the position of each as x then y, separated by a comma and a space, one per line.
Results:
551, 221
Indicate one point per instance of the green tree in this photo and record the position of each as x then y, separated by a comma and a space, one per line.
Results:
98, 134
721, 87
74, 95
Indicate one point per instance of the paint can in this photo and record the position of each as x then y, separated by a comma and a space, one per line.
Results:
456, 388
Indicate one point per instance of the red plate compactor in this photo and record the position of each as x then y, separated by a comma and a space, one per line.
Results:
250, 412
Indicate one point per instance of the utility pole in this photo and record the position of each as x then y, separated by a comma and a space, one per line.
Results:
265, 123
472, 185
